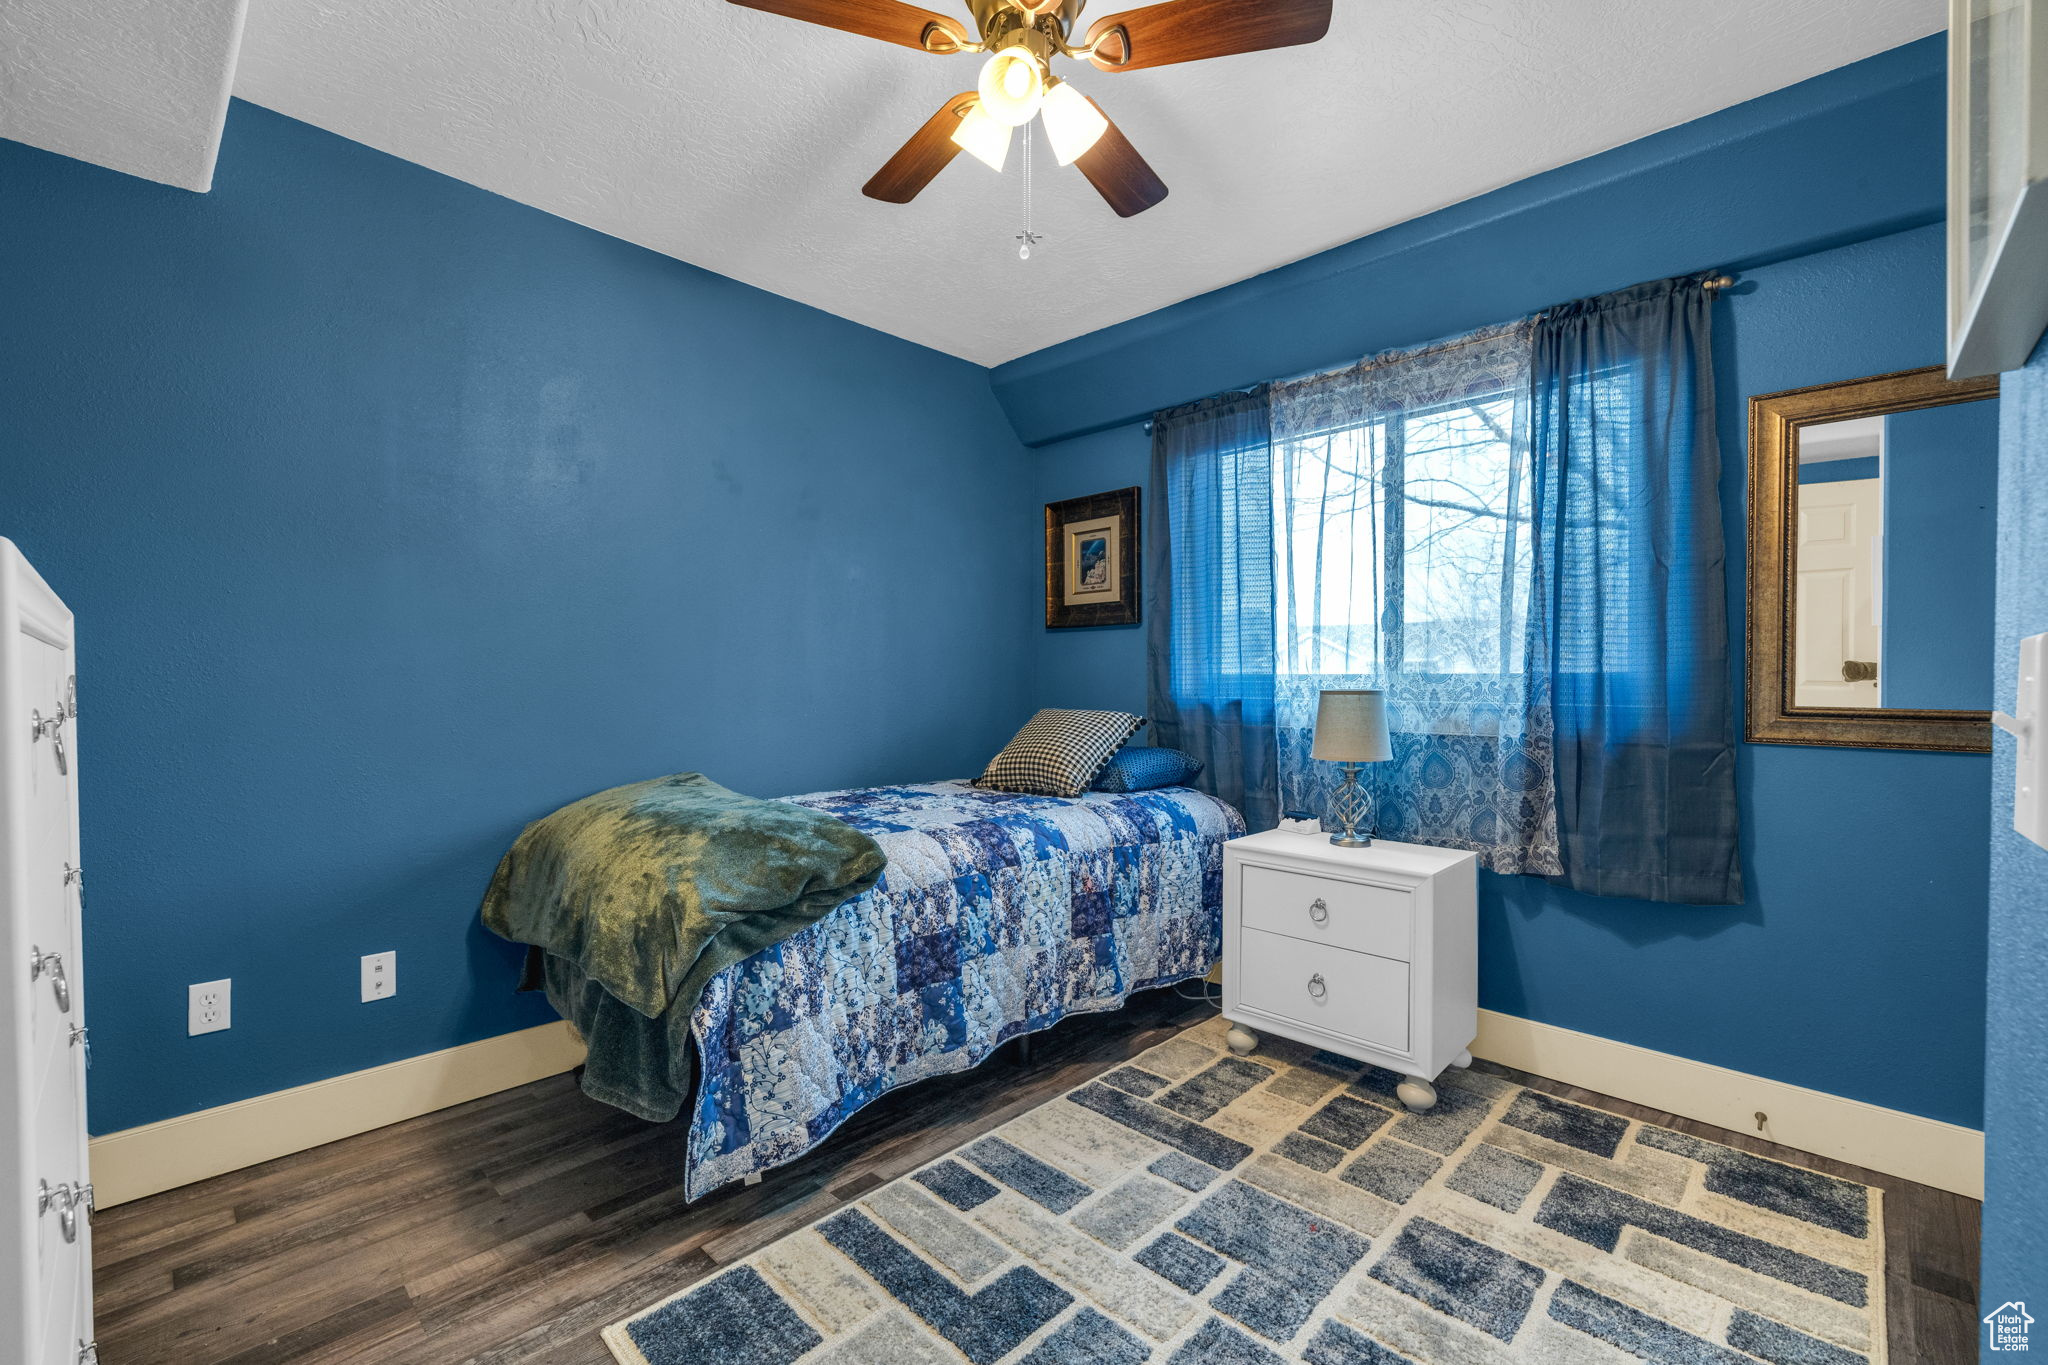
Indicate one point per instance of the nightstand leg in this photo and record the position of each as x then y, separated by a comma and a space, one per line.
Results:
1417, 1093
1463, 1060
1241, 1039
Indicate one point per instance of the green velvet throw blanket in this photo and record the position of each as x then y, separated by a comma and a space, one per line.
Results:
636, 897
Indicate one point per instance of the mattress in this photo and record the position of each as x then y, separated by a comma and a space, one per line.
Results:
998, 915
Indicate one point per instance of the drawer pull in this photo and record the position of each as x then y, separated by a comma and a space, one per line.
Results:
1319, 910
52, 726
65, 1200
40, 964
1317, 989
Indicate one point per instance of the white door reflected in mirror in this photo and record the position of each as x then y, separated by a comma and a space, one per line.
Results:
1840, 606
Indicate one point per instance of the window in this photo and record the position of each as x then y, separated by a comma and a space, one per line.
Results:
1402, 541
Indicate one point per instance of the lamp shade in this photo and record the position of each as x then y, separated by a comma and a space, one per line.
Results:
1072, 123
986, 139
1351, 727
1012, 86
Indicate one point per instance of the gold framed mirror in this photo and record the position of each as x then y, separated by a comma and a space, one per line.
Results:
1872, 540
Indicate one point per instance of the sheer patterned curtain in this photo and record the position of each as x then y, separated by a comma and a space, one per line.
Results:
1209, 596
1402, 556
1628, 627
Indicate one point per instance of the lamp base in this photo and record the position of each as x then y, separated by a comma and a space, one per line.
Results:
1348, 809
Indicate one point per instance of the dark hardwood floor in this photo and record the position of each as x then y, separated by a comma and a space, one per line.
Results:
512, 1228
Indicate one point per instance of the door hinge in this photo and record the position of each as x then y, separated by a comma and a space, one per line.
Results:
88, 1353
81, 1037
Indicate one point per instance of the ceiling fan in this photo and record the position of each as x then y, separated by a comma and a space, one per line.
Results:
1017, 84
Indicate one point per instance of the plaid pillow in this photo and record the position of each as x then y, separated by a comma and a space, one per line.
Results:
1058, 753
1135, 769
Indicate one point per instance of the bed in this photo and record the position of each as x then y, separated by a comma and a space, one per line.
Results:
996, 916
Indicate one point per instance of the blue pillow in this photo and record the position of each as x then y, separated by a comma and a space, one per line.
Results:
1137, 770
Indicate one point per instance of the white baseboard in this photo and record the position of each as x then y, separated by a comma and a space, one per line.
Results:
162, 1156
1929, 1151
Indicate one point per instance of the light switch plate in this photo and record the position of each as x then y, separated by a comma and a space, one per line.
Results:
2029, 727
380, 976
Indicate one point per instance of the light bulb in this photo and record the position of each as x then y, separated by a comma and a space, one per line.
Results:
987, 140
1072, 122
1012, 86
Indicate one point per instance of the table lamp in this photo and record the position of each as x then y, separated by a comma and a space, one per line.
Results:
1351, 731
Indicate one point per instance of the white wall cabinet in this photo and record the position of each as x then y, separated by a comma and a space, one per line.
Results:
1370, 952
45, 1188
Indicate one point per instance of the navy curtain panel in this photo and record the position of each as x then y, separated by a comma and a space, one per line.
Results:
1209, 597
1628, 617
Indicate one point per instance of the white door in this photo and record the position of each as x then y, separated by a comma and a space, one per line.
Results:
46, 1265
1838, 606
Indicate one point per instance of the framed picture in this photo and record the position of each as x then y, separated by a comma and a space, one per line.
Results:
1997, 183
1091, 560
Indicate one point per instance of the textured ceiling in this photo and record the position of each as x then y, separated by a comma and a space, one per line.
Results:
137, 85
739, 141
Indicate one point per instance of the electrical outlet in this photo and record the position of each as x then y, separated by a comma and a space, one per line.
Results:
206, 1007
380, 975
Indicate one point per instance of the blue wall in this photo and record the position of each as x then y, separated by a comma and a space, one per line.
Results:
395, 515
1841, 471
1940, 553
1856, 967
1853, 154
2016, 1052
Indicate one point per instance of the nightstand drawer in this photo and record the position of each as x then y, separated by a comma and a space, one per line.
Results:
1353, 995
1351, 915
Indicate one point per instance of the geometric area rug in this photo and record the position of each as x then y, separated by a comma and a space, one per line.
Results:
1196, 1208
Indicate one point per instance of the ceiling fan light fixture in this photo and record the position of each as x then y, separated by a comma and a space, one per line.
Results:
1012, 86
1072, 122
983, 138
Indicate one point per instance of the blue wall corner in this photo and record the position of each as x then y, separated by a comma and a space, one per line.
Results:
1849, 973
2015, 1264
395, 515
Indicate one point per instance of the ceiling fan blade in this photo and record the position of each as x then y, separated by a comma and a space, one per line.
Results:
888, 20
929, 151
1191, 30
1118, 173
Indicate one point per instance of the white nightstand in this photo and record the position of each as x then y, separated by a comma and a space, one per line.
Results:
1368, 952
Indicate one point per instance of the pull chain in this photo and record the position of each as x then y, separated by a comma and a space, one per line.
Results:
1027, 237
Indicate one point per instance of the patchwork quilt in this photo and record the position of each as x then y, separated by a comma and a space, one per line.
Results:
998, 915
